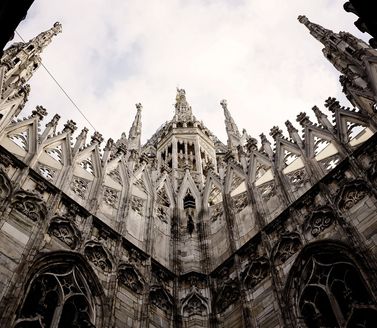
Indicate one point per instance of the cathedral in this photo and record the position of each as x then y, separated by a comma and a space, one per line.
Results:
185, 231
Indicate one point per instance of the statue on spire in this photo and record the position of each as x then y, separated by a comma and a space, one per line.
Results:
183, 110
134, 135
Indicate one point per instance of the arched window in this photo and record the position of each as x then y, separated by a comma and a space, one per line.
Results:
330, 291
57, 297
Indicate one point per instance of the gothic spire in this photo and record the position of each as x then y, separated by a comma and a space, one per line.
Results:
183, 110
135, 131
22, 59
320, 33
232, 131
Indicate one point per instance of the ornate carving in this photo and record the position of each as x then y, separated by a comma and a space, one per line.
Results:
267, 190
79, 186
56, 153
131, 278
115, 175
161, 213
194, 303
110, 196
319, 220
137, 205
47, 172
5, 185
298, 178
351, 194
65, 231
240, 201
87, 165
30, 205
228, 291
236, 181
288, 245
141, 185
97, 254
330, 163
255, 271
161, 298
163, 197
21, 139
216, 212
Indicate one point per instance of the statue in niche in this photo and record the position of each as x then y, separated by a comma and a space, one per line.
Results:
190, 224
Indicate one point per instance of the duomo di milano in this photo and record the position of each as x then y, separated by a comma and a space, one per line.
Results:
185, 231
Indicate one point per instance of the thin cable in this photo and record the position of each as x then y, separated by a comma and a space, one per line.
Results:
62, 89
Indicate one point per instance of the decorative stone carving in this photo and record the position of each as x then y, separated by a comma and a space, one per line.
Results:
255, 271
115, 175
65, 231
162, 213
47, 172
30, 205
216, 212
21, 139
97, 254
110, 197
163, 198
288, 245
298, 178
137, 205
5, 185
79, 186
194, 303
228, 294
87, 165
330, 163
267, 190
236, 181
240, 201
228, 291
56, 153
131, 278
141, 185
351, 194
161, 298
319, 221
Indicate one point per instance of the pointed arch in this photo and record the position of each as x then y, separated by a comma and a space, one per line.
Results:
328, 286
68, 287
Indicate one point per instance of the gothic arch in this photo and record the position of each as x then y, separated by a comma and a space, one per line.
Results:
328, 286
61, 290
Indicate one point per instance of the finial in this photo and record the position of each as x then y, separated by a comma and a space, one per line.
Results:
251, 144
39, 112
290, 127
264, 138
70, 126
303, 119
275, 132
224, 104
139, 106
96, 138
318, 113
57, 28
303, 19
332, 104
109, 144
54, 121
83, 133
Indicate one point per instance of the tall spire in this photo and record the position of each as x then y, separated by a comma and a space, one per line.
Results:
234, 135
319, 32
347, 53
22, 59
183, 110
134, 135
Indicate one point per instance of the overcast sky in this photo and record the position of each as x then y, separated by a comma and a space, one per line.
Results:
113, 54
